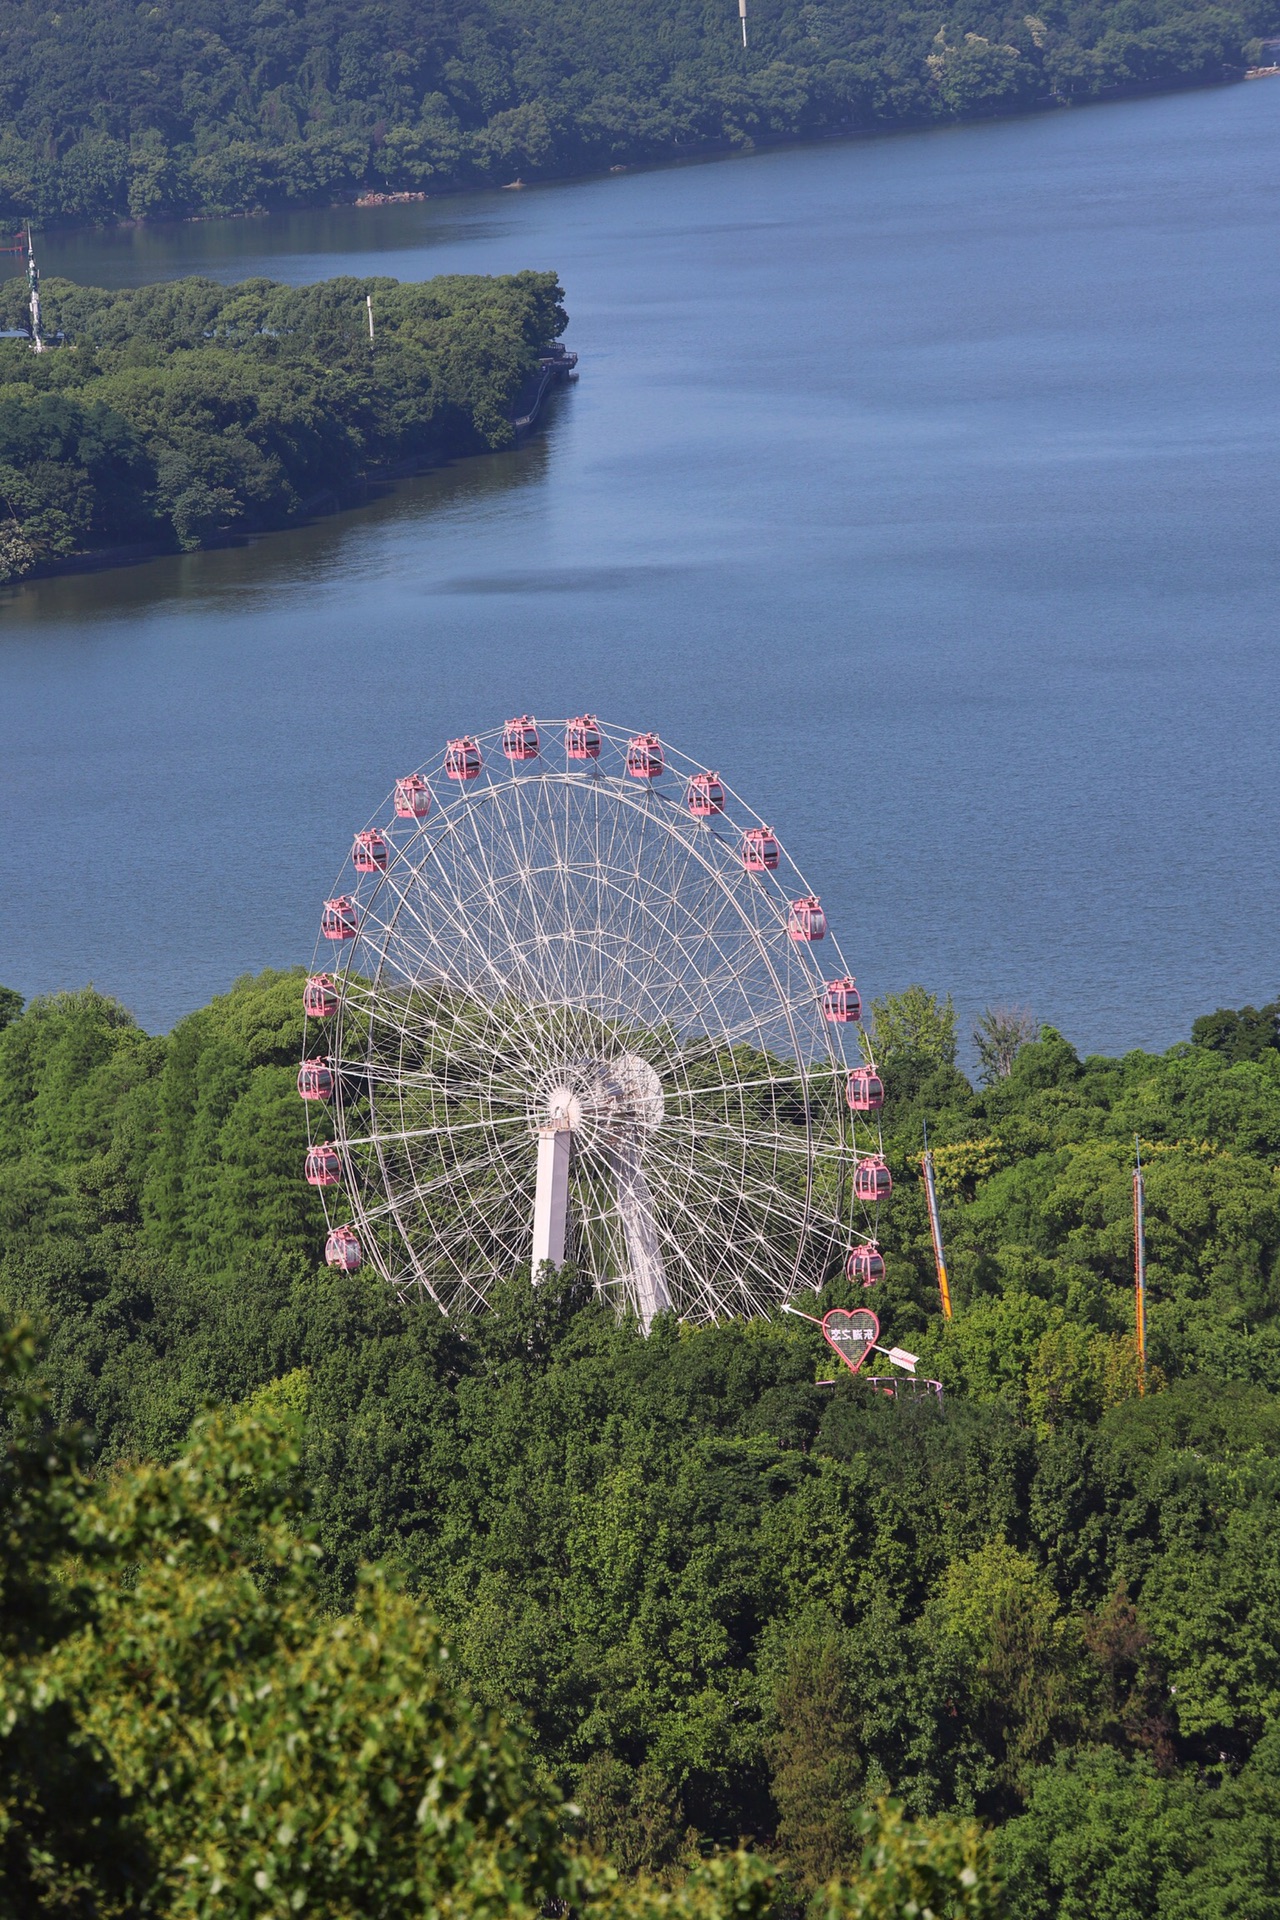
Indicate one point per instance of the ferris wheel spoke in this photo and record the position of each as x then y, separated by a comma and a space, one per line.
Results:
563, 819
722, 1178
520, 914
787, 1088
755, 1213
457, 1079
547, 890
698, 984
460, 959
510, 886
709, 1047
674, 859
729, 1175
440, 1169
461, 853
714, 1281
448, 1130
783, 1149
672, 1244
448, 1180
586, 867
627, 884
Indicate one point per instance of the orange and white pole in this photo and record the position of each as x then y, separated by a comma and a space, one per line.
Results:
935, 1228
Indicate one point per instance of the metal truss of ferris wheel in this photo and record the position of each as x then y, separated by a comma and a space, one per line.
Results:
580, 1014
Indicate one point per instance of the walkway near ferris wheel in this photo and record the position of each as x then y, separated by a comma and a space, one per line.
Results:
583, 1007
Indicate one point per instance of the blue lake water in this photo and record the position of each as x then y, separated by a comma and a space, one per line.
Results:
927, 486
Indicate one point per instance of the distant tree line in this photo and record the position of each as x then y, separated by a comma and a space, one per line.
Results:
724, 1603
218, 106
174, 414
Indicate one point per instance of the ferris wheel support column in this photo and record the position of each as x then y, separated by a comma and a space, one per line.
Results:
648, 1276
551, 1198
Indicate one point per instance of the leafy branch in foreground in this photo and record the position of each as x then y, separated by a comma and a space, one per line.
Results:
234, 1749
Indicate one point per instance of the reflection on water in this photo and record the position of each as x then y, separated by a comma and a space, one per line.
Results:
564, 580
286, 246
925, 486
327, 548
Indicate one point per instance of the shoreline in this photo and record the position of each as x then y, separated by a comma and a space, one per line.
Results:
369, 199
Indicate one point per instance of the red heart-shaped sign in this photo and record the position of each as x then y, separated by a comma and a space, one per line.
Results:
851, 1334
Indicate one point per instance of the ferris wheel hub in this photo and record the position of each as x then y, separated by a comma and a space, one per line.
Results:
563, 1112
599, 1100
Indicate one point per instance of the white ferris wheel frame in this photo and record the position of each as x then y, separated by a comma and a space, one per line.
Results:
522, 1037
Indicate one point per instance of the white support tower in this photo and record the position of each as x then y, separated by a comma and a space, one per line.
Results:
618, 1102
551, 1199
647, 1279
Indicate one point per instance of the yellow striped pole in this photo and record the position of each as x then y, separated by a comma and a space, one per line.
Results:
935, 1229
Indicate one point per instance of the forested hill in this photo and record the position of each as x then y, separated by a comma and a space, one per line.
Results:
728, 1602
209, 106
176, 414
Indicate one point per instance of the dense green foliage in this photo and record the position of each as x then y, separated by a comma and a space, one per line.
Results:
220, 105
729, 1603
179, 411
184, 1731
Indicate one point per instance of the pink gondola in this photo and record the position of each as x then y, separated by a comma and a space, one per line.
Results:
315, 1080
864, 1090
370, 852
320, 997
520, 739
343, 1250
841, 1001
806, 920
462, 759
865, 1263
413, 798
582, 738
872, 1179
322, 1167
705, 795
760, 851
644, 757
340, 919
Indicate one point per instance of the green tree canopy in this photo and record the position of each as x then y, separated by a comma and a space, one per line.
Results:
174, 413
914, 1025
215, 106
722, 1601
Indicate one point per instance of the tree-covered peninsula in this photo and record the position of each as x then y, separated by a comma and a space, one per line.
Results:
717, 1602
174, 414
218, 106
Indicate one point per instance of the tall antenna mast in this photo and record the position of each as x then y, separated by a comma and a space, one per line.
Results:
1140, 1263
33, 281
935, 1224
742, 15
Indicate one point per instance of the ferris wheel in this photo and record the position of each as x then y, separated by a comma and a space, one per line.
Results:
574, 1009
